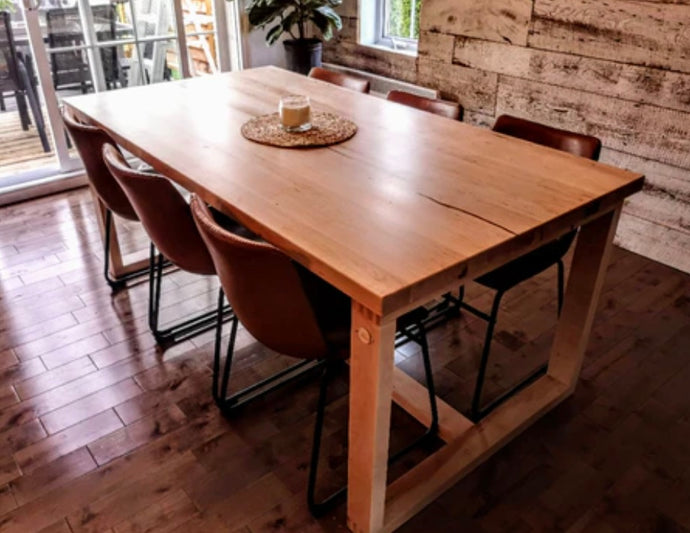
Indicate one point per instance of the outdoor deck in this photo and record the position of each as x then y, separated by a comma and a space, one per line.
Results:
20, 150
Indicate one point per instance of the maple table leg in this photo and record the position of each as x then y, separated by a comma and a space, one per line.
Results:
430, 478
587, 273
370, 399
371, 389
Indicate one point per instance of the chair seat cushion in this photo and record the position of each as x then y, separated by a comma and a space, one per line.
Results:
528, 265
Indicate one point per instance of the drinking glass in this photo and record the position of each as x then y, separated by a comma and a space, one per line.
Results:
295, 113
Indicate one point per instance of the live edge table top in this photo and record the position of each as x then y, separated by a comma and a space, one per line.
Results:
411, 204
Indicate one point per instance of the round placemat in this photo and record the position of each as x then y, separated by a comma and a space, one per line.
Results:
326, 129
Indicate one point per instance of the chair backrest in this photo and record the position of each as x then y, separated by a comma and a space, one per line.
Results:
163, 212
263, 288
567, 141
105, 20
338, 78
439, 107
65, 29
9, 70
89, 141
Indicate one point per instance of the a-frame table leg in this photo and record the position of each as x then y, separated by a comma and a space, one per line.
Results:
374, 507
371, 389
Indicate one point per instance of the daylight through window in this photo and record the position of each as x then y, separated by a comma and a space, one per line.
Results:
401, 19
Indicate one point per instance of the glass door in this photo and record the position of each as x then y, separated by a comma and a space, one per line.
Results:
69, 47
27, 145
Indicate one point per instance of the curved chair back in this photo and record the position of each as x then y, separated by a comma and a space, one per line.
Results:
264, 289
549, 254
89, 141
163, 212
338, 78
438, 107
567, 141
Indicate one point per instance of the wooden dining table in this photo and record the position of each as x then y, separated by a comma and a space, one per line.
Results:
409, 208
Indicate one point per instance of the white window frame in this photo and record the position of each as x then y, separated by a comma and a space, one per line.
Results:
373, 28
66, 167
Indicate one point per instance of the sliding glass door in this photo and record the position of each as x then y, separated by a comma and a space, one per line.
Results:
58, 48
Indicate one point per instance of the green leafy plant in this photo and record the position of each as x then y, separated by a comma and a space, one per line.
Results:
7, 5
289, 15
400, 18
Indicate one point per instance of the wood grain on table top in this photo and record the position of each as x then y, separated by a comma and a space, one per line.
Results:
410, 203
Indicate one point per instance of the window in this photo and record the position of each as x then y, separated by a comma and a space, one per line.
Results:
69, 47
401, 19
391, 23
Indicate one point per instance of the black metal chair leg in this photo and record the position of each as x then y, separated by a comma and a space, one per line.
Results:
229, 404
38, 118
23, 111
34, 104
217, 345
154, 289
431, 388
432, 430
220, 393
561, 284
476, 410
116, 283
319, 508
2, 102
182, 330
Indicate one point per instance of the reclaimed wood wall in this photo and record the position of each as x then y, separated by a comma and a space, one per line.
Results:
617, 69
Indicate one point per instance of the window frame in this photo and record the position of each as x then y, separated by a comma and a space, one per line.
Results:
373, 28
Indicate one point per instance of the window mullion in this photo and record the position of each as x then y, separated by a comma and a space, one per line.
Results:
183, 52
413, 17
137, 49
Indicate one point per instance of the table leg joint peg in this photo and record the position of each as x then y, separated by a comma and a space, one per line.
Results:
364, 335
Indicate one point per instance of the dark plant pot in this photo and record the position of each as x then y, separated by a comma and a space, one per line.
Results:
303, 54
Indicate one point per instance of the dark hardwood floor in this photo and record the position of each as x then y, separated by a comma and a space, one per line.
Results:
101, 431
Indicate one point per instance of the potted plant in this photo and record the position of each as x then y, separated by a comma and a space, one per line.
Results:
293, 17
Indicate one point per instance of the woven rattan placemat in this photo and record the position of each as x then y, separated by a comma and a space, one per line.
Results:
326, 129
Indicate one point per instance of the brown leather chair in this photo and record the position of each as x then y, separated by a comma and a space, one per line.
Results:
508, 276
338, 78
166, 217
438, 107
294, 312
89, 141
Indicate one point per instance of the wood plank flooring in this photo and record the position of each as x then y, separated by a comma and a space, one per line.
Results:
101, 431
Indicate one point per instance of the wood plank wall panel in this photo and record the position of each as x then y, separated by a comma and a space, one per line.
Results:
642, 33
494, 20
647, 131
619, 70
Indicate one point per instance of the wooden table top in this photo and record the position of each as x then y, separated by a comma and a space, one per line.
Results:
409, 205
